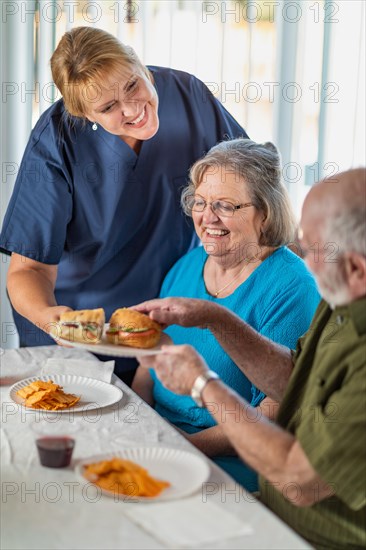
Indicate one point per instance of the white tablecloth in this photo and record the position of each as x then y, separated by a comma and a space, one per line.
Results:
45, 508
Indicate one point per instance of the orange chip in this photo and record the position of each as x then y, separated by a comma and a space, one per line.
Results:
25, 392
47, 396
121, 476
42, 385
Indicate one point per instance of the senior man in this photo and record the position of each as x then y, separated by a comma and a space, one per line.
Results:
312, 461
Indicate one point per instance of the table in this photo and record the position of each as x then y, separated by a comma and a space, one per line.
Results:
45, 508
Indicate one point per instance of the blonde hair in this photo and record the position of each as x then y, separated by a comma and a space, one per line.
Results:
83, 58
258, 166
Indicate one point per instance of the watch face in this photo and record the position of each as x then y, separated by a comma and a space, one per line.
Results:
199, 384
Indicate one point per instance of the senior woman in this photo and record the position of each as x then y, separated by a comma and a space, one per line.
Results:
97, 200
242, 214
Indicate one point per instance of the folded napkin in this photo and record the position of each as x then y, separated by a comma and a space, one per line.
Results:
187, 523
16, 364
91, 368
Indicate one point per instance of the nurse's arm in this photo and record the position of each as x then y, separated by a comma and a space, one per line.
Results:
31, 288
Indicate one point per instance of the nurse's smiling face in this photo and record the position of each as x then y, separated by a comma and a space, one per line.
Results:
126, 106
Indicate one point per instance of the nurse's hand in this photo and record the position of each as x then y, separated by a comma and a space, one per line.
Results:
186, 312
51, 317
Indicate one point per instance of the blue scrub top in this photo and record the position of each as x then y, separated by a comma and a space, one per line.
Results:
111, 219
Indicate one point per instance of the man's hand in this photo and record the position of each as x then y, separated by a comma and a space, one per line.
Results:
186, 312
177, 367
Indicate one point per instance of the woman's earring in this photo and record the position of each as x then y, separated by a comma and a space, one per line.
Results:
95, 126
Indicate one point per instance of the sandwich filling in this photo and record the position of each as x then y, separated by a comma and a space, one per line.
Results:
89, 331
128, 331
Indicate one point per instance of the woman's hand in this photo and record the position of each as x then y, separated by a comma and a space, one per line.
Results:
50, 317
186, 312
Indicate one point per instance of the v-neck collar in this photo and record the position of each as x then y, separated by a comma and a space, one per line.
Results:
243, 284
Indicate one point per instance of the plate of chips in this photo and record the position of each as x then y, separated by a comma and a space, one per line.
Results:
145, 474
61, 393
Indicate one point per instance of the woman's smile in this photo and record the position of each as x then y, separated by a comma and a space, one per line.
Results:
140, 120
215, 233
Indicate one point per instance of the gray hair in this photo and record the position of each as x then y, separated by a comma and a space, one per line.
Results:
259, 167
347, 229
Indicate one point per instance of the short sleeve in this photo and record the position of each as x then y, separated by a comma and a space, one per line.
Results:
290, 315
286, 319
40, 208
283, 322
334, 439
257, 396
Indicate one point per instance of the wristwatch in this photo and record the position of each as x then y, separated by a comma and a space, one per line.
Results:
200, 383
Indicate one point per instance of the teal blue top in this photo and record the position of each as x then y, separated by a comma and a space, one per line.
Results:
278, 300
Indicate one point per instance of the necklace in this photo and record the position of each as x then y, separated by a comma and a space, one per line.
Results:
232, 280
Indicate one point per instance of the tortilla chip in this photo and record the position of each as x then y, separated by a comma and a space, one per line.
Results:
47, 396
25, 392
42, 385
120, 476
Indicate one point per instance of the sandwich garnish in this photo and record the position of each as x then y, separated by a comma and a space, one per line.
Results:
128, 327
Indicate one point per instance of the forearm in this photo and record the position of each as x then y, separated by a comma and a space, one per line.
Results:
269, 408
212, 442
267, 448
31, 291
267, 364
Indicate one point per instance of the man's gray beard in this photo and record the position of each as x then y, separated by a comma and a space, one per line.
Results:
339, 298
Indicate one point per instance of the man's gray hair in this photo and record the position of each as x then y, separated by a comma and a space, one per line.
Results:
347, 229
258, 166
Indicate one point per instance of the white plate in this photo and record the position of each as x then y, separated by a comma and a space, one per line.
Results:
106, 348
185, 471
95, 394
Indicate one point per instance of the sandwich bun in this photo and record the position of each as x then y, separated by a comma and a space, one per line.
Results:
85, 326
128, 327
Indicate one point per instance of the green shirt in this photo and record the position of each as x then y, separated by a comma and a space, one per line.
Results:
325, 408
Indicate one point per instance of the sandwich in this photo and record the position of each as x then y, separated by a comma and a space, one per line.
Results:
128, 327
85, 326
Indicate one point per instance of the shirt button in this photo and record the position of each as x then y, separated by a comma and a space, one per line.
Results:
339, 319
320, 381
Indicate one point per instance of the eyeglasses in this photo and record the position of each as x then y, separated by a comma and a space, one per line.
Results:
222, 208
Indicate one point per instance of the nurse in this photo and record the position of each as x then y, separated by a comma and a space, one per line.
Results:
95, 218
